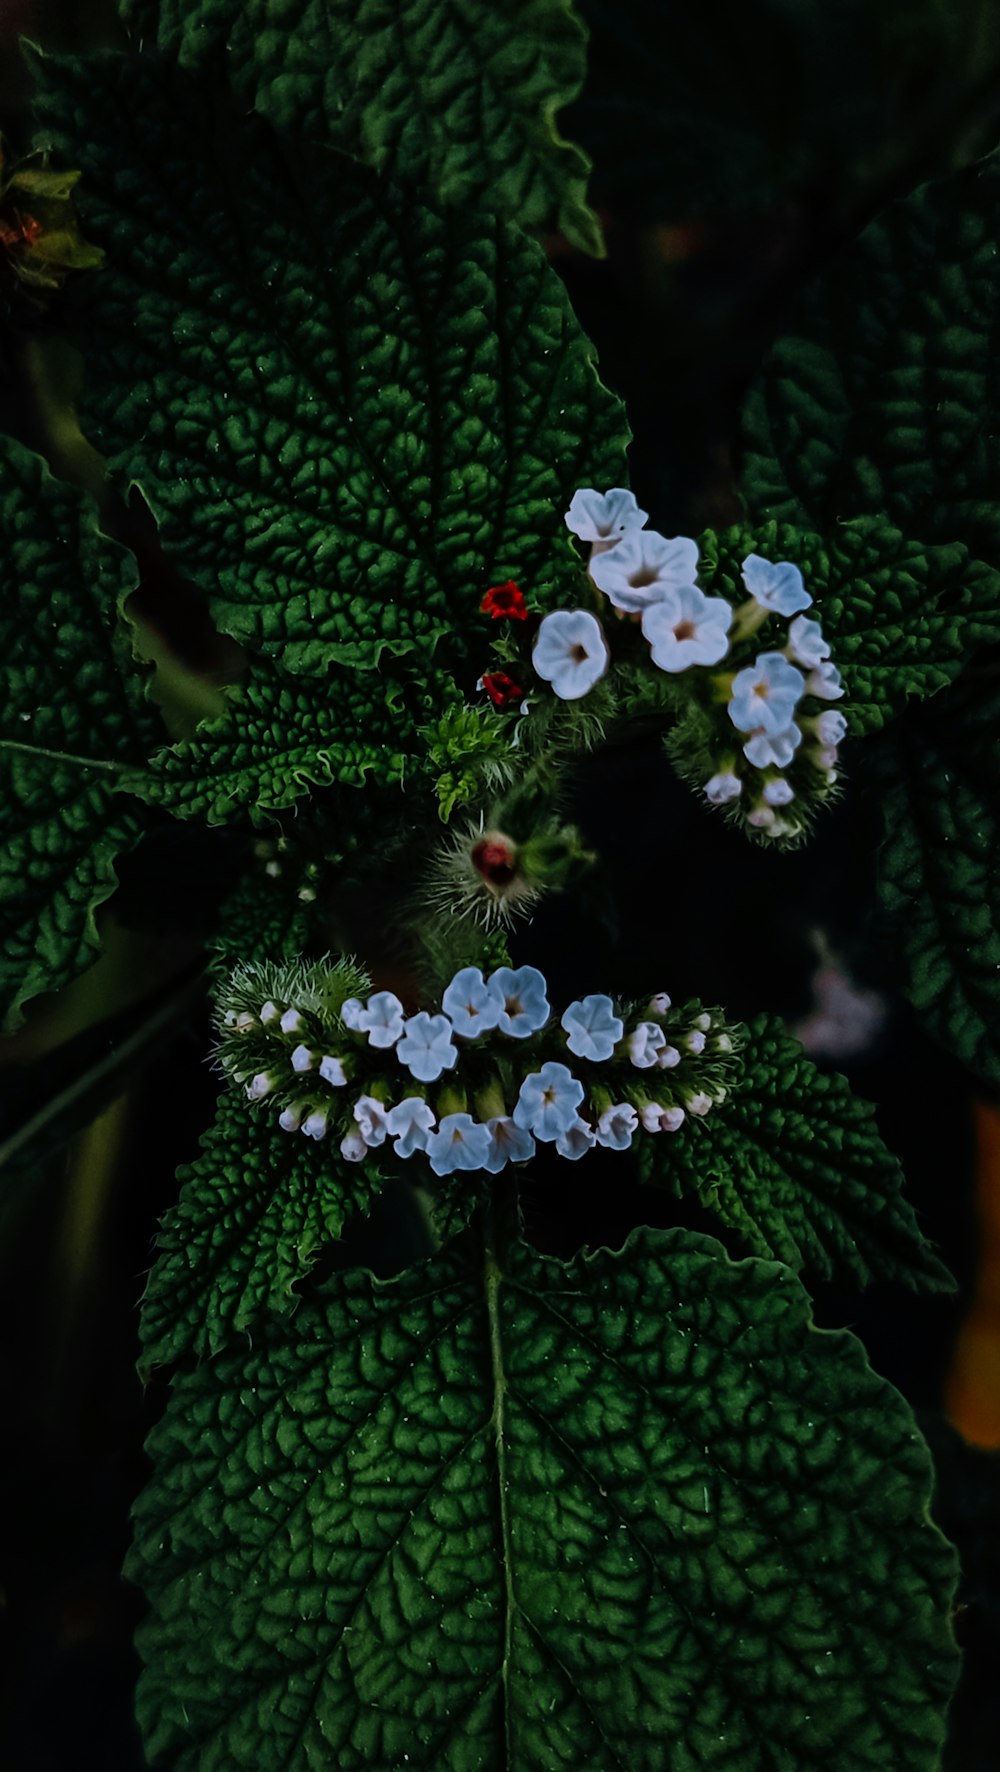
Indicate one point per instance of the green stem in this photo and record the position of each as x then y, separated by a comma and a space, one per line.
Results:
493, 1278
34, 750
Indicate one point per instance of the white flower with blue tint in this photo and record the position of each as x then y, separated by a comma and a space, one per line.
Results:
592, 1027
303, 1058
660, 1119
667, 1058
570, 652
659, 1004
351, 1011
806, 642
776, 586
314, 1126
602, 518
643, 567
292, 1022
352, 1146
290, 1119
382, 1020
548, 1102
773, 749
520, 997
824, 682
331, 1070
765, 695
509, 1143
616, 1126
408, 1125
458, 1143
469, 1004
684, 628
644, 1042
778, 792
427, 1048
831, 727
372, 1121
576, 1141
720, 789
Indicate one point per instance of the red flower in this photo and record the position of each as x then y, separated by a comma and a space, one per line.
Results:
501, 689
505, 603
495, 857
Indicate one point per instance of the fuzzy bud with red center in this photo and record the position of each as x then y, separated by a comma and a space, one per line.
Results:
505, 603
501, 689
494, 856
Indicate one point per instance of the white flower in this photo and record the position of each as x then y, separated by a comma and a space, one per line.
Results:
778, 792
762, 818
765, 694
660, 1119
314, 1126
576, 1141
371, 1118
644, 1042
570, 652
824, 682
292, 1022
659, 1004
259, 1086
382, 1020
616, 1126
695, 1040
469, 1004
244, 1022
720, 789
458, 1143
269, 1012
684, 627
643, 567
830, 727
332, 1071
509, 1143
408, 1124
426, 1047
702, 1021
291, 1118
302, 1059
602, 517
699, 1104
763, 749
667, 1058
548, 1101
353, 1147
593, 1028
351, 1012
775, 585
520, 994
805, 639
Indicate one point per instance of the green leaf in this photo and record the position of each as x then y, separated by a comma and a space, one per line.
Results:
794, 1163
254, 1211
366, 413
457, 94
73, 714
882, 397
624, 1512
939, 778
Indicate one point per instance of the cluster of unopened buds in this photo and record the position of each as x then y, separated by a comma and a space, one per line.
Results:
364, 1073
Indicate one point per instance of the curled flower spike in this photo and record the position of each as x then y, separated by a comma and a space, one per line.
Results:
644, 1042
382, 1020
570, 652
773, 749
576, 1141
806, 643
592, 1027
602, 518
509, 1143
426, 1047
824, 682
408, 1125
471, 1006
548, 1102
686, 628
766, 694
523, 1005
775, 586
505, 603
616, 1126
643, 567
458, 1143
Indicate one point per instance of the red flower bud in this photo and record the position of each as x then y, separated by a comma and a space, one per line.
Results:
495, 857
505, 603
501, 689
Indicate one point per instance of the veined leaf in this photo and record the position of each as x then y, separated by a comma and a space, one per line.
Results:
73, 715
793, 1162
621, 1513
456, 94
351, 414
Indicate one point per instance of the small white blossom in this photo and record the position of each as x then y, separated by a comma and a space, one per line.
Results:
244, 1022
764, 749
570, 652
382, 1020
684, 627
659, 1004
291, 1118
824, 682
292, 1022
643, 567
702, 1021
426, 1047
259, 1086
603, 517
269, 1012
303, 1059
695, 1040
775, 585
723, 1043
576, 1141
644, 1042
353, 1147
672, 1120
830, 727
520, 994
332, 1071
825, 760
351, 1012
720, 789
458, 1143
778, 792
650, 1116
470, 1005
765, 694
616, 1126
509, 1143
699, 1104
547, 1102
408, 1124
762, 818
667, 1058
592, 1027
806, 642
314, 1126
660, 1119
372, 1121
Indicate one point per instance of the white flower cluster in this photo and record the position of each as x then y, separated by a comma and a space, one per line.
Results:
766, 696
666, 1066
643, 574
